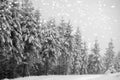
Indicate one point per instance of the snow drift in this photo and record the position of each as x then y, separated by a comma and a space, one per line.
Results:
115, 76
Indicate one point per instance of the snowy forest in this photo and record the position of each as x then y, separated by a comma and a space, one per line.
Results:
31, 46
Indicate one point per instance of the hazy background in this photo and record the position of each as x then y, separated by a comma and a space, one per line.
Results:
96, 18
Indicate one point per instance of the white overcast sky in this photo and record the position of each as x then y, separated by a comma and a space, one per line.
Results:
96, 18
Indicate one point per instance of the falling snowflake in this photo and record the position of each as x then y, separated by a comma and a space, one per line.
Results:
95, 34
69, 5
103, 36
79, 1
113, 6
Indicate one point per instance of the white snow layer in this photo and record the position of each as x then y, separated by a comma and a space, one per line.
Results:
115, 76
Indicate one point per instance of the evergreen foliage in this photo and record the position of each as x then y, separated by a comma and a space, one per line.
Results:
29, 45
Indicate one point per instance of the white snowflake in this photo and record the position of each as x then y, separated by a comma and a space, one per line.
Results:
115, 20
72, 10
89, 44
69, 5
104, 5
46, 4
66, 1
103, 36
59, 14
113, 6
75, 21
109, 28
83, 37
95, 34
79, 1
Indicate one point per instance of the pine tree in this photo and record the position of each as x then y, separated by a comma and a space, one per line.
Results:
8, 48
84, 57
109, 55
61, 57
49, 46
65, 38
94, 64
68, 45
117, 62
77, 46
19, 39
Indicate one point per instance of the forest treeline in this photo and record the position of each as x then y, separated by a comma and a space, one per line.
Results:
31, 46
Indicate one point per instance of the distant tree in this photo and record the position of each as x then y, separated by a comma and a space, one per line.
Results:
94, 64
49, 46
68, 44
76, 56
65, 38
109, 55
117, 62
84, 56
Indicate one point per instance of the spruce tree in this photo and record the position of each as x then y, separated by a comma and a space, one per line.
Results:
49, 46
65, 38
117, 62
77, 50
84, 57
19, 39
94, 63
109, 56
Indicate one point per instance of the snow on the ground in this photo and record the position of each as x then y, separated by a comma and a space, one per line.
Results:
115, 76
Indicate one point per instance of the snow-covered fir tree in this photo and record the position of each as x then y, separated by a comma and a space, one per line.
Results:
109, 57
